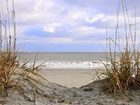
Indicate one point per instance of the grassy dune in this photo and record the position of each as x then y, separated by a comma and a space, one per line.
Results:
9, 62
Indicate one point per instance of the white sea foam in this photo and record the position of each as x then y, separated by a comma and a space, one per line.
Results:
71, 64
75, 65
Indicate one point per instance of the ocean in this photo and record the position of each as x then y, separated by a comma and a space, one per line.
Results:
65, 56
67, 60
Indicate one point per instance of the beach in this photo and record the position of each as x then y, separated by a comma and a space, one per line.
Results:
69, 52
70, 69
69, 78
36, 90
66, 81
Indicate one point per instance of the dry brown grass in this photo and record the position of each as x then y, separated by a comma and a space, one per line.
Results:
124, 73
9, 61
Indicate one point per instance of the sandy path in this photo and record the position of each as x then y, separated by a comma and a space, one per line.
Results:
70, 78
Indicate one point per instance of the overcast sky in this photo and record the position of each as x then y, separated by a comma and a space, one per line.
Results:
69, 25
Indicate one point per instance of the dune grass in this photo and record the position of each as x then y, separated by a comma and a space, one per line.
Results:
124, 73
9, 62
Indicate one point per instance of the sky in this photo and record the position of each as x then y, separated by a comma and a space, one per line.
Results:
69, 25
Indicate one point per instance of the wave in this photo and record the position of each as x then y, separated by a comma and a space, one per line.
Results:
72, 64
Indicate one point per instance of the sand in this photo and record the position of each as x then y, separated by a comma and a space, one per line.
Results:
33, 89
70, 78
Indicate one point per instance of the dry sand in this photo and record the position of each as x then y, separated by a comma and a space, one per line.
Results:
70, 78
35, 90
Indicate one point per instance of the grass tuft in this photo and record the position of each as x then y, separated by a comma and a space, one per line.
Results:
124, 73
9, 62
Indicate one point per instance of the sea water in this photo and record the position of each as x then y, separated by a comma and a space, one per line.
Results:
67, 60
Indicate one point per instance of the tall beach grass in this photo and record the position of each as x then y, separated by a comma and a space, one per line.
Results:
124, 73
9, 62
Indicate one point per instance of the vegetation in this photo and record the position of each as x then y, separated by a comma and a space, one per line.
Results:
9, 62
124, 73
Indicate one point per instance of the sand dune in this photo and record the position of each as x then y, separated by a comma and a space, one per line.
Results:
36, 90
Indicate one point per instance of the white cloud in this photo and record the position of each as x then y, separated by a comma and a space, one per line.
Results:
61, 40
87, 30
54, 16
95, 18
52, 28
37, 11
56, 40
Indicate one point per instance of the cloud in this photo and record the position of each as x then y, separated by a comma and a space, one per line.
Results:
52, 28
61, 40
69, 21
95, 18
88, 31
